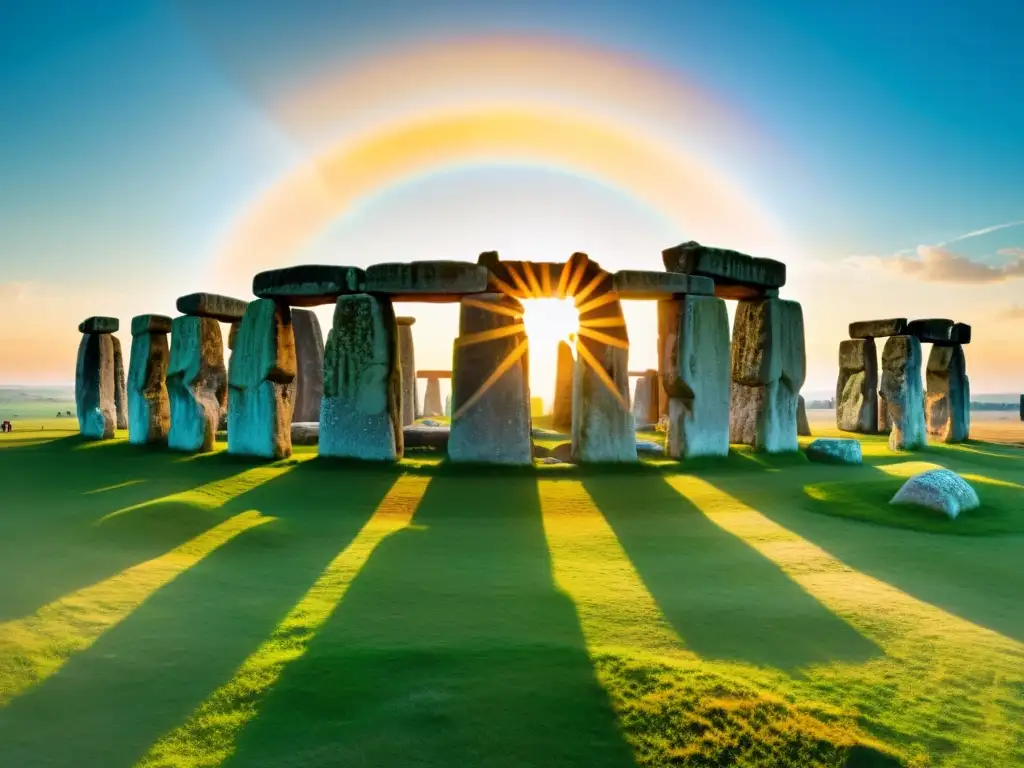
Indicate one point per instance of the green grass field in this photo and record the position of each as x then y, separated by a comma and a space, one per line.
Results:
167, 610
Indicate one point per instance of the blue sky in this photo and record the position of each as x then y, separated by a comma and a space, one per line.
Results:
133, 132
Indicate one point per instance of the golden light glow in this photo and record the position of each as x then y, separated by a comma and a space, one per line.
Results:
549, 321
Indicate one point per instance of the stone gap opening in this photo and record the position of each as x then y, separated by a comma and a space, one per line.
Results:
548, 323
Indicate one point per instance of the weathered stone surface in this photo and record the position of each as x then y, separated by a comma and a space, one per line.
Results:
640, 284
884, 426
407, 355
960, 334
803, 427
768, 369
432, 398
305, 432
490, 388
427, 280
233, 334
309, 365
836, 450
901, 388
361, 416
602, 422
646, 408
736, 275
142, 324
947, 400
94, 386
857, 387
561, 412
120, 395
939, 489
878, 329
424, 436
99, 325
149, 408
931, 331
308, 285
650, 447
263, 368
212, 305
197, 383
693, 344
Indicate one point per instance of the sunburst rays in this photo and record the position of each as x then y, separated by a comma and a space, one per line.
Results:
578, 279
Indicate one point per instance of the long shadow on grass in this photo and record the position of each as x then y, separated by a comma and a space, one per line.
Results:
451, 647
142, 678
50, 543
975, 577
725, 599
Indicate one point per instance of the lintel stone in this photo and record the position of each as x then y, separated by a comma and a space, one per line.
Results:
878, 329
932, 330
212, 305
736, 275
99, 325
960, 334
405, 320
428, 281
643, 284
308, 285
143, 324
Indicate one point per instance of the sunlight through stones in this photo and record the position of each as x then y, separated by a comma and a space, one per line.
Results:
36, 647
209, 736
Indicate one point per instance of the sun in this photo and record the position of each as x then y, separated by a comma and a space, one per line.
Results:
549, 321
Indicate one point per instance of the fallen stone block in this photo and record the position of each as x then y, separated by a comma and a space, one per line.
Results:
878, 329
640, 284
694, 355
903, 393
197, 383
99, 325
212, 305
308, 285
94, 386
426, 280
263, 369
736, 275
835, 450
361, 415
939, 489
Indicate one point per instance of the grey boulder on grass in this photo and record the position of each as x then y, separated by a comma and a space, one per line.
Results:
938, 489
835, 450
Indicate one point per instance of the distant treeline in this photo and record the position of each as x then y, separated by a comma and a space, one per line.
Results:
829, 404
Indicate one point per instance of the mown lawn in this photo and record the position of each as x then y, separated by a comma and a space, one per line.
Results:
165, 610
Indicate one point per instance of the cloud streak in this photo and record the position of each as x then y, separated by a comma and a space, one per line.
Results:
985, 231
1013, 313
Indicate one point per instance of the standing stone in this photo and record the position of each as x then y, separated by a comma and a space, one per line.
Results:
490, 388
361, 415
901, 388
768, 368
646, 408
432, 398
120, 396
309, 366
803, 427
94, 386
857, 387
561, 413
149, 409
407, 353
197, 383
947, 399
263, 368
448, 406
693, 343
603, 430
884, 427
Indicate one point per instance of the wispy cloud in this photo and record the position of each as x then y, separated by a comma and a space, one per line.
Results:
984, 231
1013, 313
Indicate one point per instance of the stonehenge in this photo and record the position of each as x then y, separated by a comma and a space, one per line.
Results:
149, 407
895, 402
712, 387
95, 380
260, 391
